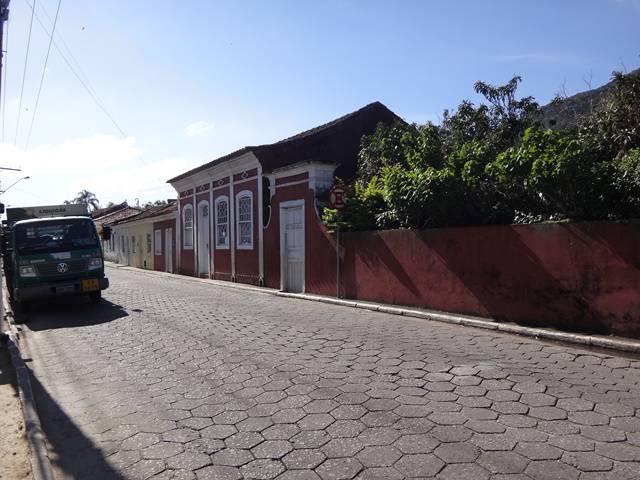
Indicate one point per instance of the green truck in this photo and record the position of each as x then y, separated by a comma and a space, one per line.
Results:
52, 251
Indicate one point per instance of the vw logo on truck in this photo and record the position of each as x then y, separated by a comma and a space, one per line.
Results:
62, 267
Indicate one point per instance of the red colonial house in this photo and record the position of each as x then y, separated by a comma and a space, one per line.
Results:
252, 216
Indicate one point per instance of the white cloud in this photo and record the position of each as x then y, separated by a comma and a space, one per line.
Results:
111, 167
199, 128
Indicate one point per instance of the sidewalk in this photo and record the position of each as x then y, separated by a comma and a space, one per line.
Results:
14, 449
586, 340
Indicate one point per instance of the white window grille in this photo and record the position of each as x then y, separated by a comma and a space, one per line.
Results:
157, 245
222, 222
244, 207
187, 227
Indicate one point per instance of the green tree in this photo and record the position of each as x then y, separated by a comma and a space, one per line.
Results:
86, 197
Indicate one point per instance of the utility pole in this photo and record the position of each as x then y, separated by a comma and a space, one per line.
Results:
4, 15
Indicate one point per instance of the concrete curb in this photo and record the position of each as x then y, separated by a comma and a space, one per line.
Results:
598, 341
40, 463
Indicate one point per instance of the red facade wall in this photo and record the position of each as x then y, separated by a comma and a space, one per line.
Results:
158, 260
187, 258
247, 262
579, 276
320, 261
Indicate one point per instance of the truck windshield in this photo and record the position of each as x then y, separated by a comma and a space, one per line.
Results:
55, 236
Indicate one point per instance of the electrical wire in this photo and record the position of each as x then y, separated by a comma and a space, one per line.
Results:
91, 93
4, 81
70, 54
44, 70
24, 71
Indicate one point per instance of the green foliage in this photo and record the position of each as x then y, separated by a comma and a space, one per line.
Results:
86, 197
494, 164
365, 210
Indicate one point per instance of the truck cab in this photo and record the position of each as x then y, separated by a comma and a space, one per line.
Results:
53, 256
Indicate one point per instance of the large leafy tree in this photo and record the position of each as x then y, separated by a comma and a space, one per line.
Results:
494, 163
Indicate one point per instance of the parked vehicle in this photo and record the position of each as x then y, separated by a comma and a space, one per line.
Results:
52, 251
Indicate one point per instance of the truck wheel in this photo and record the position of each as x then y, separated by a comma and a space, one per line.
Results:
20, 309
95, 297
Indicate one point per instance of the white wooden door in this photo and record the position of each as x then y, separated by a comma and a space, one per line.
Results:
168, 250
293, 224
203, 239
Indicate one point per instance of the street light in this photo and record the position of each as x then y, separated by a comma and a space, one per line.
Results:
23, 178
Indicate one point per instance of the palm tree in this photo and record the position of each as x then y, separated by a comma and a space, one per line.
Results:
88, 198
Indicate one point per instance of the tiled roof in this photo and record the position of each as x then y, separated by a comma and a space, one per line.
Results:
336, 142
152, 212
118, 215
101, 212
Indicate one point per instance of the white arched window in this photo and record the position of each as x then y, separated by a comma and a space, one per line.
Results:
222, 222
187, 227
244, 220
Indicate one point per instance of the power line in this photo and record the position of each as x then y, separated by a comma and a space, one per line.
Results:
68, 51
3, 58
91, 93
44, 70
24, 71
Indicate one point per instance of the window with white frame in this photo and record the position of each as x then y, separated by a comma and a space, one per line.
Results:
244, 220
157, 242
187, 226
222, 222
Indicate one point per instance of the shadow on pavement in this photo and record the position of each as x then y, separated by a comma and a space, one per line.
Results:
69, 448
69, 312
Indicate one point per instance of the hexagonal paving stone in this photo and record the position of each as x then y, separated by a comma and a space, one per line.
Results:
378, 456
315, 421
140, 441
272, 449
619, 451
244, 440
299, 475
145, 468
572, 443
342, 447
503, 462
218, 472
188, 461
378, 436
162, 450
419, 465
231, 457
587, 461
339, 469
416, 444
463, 471
457, 452
307, 459
538, 451
263, 469
346, 428
551, 470
310, 439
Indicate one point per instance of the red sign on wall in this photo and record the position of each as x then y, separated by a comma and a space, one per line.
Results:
338, 198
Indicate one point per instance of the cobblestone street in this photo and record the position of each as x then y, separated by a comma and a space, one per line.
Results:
172, 378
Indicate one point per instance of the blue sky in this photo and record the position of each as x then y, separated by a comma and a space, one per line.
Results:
189, 81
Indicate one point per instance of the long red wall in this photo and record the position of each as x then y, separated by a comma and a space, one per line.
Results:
579, 276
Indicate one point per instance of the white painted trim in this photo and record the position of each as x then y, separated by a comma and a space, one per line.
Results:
200, 204
239, 195
232, 229
284, 206
212, 248
244, 162
225, 246
190, 207
178, 236
194, 242
290, 184
260, 227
